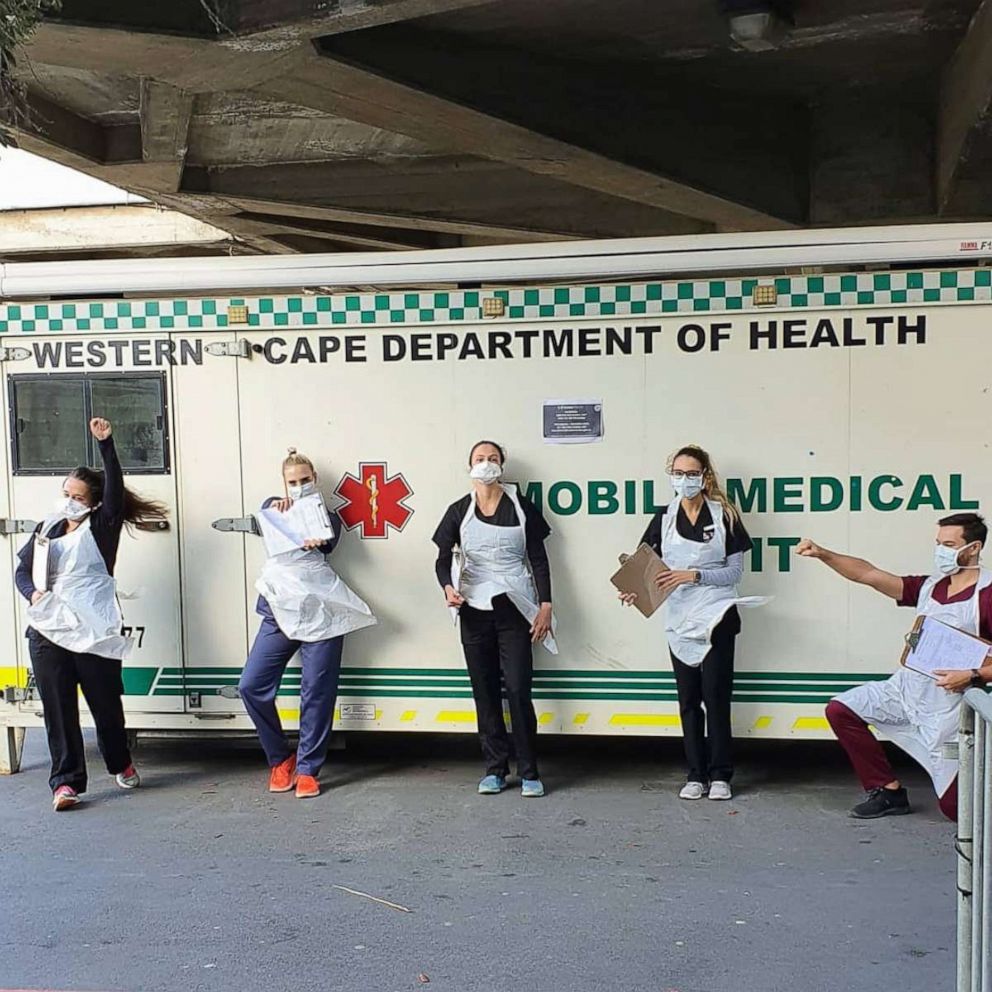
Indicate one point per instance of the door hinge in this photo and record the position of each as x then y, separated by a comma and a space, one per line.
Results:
10, 526
239, 525
14, 354
230, 349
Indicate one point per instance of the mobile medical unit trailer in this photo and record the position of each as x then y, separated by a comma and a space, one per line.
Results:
840, 378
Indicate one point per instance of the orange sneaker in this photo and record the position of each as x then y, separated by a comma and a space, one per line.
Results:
282, 778
307, 787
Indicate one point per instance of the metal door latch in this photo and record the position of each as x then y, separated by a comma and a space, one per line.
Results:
230, 349
238, 525
14, 354
15, 694
9, 526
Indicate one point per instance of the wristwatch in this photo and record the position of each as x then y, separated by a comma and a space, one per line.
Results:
698, 578
977, 682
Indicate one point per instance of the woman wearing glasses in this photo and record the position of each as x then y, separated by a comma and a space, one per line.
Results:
702, 540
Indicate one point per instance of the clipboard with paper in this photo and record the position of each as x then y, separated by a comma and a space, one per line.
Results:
637, 574
41, 563
306, 520
933, 644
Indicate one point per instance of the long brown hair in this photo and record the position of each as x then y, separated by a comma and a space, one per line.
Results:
137, 509
711, 480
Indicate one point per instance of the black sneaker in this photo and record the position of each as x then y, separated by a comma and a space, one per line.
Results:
882, 802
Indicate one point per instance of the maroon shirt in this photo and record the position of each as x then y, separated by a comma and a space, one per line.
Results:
912, 585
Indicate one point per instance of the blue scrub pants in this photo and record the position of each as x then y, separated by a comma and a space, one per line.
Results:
321, 662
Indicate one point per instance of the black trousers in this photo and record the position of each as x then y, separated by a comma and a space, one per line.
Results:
496, 642
707, 736
59, 675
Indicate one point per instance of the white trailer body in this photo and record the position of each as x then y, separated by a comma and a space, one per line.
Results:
850, 406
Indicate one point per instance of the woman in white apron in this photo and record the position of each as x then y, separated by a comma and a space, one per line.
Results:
75, 635
304, 607
701, 538
917, 713
500, 585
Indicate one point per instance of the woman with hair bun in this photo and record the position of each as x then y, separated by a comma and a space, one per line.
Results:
304, 607
500, 584
702, 540
75, 637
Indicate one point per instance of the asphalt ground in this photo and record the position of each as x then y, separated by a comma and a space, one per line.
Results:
201, 880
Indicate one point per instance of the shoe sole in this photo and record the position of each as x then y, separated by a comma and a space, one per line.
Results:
720, 799
128, 785
63, 803
288, 788
532, 795
307, 795
903, 811
490, 792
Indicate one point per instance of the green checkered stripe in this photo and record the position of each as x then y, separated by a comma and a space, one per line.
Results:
465, 306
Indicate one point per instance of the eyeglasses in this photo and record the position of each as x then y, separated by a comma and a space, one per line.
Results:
676, 474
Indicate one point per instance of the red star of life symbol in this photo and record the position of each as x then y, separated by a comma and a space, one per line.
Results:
374, 500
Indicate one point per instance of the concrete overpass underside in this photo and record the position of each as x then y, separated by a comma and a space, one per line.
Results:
323, 125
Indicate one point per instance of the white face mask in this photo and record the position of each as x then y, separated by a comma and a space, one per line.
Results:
945, 559
486, 472
686, 487
71, 509
298, 492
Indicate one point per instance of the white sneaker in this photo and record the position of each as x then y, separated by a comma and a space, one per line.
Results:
720, 790
692, 790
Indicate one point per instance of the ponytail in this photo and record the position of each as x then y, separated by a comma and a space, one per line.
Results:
712, 488
137, 509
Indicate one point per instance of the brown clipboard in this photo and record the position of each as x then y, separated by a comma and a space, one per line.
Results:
637, 574
913, 638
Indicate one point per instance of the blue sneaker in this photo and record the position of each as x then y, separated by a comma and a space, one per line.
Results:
492, 785
532, 788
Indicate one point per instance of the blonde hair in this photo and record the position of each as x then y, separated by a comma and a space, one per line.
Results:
711, 480
293, 457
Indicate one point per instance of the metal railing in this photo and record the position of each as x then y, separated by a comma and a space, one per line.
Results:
974, 843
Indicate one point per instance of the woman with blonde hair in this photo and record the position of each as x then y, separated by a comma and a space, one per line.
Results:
701, 538
304, 607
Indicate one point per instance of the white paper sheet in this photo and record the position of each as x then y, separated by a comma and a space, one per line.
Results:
306, 520
943, 646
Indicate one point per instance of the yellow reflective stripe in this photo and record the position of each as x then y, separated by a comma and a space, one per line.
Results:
762, 723
645, 720
545, 718
811, 723
408, 715
294, 714
456, 716
13, 676
580, 718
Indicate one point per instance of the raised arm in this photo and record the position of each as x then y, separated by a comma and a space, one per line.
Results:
112, 506
855, 569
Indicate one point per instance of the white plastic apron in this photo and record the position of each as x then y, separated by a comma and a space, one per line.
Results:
910, 709
80, 612
692, 611
308, 599
493, 562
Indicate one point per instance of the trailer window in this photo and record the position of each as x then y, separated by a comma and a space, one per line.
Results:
50, 416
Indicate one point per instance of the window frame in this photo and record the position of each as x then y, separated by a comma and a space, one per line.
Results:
86, 378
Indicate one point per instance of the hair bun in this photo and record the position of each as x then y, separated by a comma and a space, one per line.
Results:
291, 451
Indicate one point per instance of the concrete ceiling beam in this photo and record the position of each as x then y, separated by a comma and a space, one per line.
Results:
291, 21
452, 194
964, 126
456, 111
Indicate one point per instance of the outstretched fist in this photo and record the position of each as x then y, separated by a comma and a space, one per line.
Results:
808, 549
100, 428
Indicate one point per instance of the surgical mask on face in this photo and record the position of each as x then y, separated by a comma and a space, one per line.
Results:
71, 509
298, 492
945, 559
486, 472
686, 486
